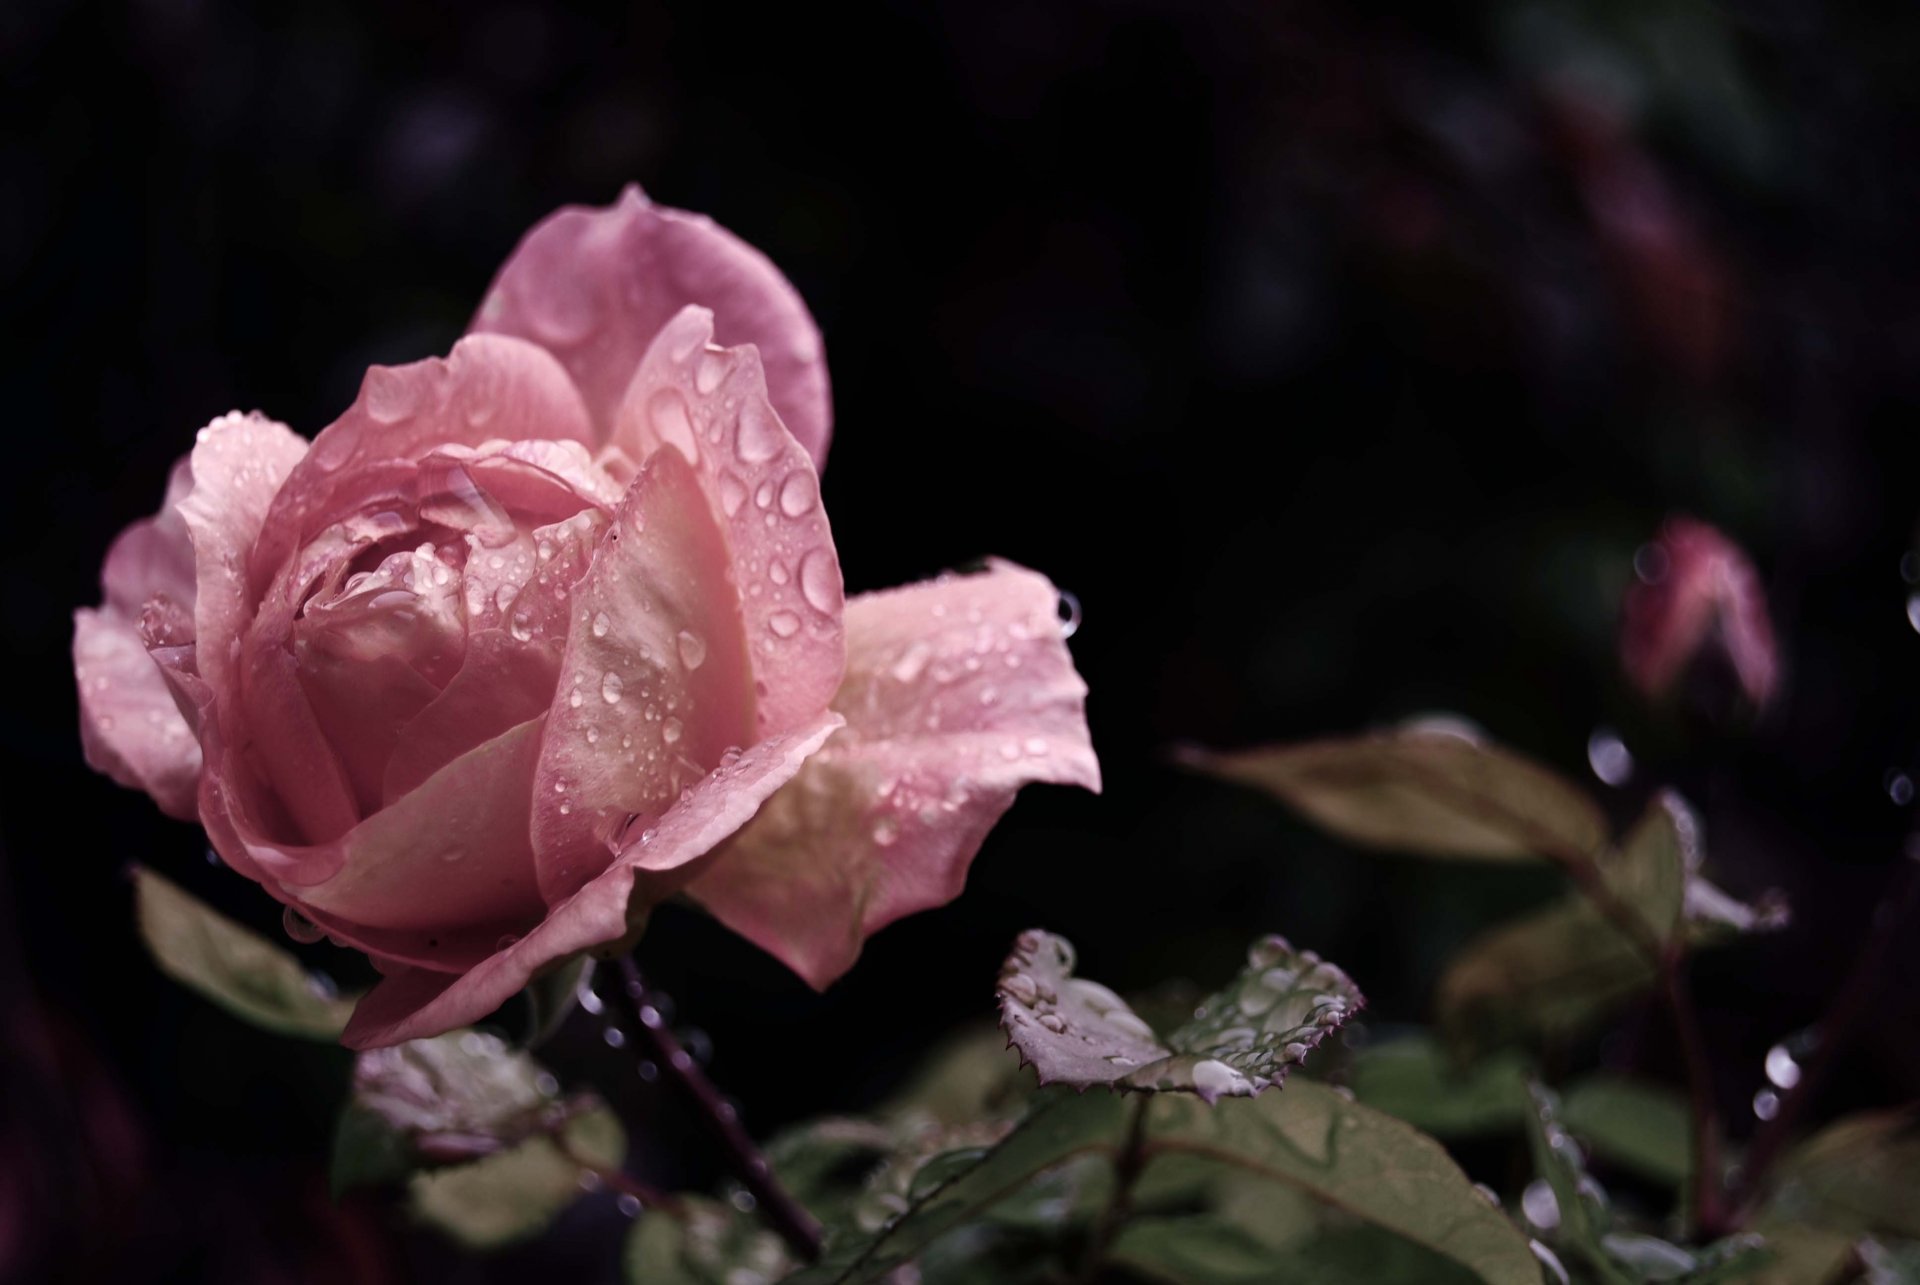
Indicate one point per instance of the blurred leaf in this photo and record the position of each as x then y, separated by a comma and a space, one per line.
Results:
1203, 1251
702, 1242
1243, 1039
516, 1193
1415, 1080
1552, 974
965, 1079
1566, 1204
1431, 788
234, 967
1801, 1254
826, 1164
491, 1150
1643, 1127
1895, 1264
552, 997
1859, 1174
962, 1187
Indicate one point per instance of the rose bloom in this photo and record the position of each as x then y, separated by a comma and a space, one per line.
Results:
538, 635
1697, 599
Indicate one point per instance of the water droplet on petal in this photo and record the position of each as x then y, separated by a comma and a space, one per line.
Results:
885, 831
672, 729
799, 493
759, 436
733, 493
692, 648
574, 698
911, 662
708, 374
784, 624
390, 395
299, 927
601, 623
1782, 1069
1069, 614
820, 580
1766, 1104
610, 685
520, 627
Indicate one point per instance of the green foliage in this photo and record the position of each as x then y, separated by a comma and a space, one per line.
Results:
1431, 788
1641, 1127
236, 968
1416, 1080
477, 1131
702, 1242
1241, 1040
1859, 1174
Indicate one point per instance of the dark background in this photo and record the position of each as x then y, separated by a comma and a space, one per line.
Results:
1338, 363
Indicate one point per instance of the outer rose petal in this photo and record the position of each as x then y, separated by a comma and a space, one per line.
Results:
654, 686
958, 692
413, 1003
130, 727
710, 405
490, 387
595, 286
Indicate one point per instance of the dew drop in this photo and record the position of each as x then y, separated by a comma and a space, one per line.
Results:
820, 580
1782, 1069
610, 685
1766, 1104
299, 927
1609, 757
1539, 1205
1021, 988
885, 831
692, 649
672, 729
574, 698
601, 623
390, 395
758, 438
799, 493
912, 662
520, 627
1069, 611
784, 624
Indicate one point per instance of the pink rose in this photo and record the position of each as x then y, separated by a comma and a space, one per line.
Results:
1697, 597
523, 642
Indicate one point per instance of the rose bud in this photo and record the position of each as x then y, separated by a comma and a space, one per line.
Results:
1697, 608
521, 644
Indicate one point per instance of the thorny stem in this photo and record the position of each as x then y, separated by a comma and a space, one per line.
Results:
1707, 1217
1835, 1031
1127, 1167
776, 1204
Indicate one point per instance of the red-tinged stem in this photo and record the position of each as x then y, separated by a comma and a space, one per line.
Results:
1836, 1030
1707, 1215
633, 1002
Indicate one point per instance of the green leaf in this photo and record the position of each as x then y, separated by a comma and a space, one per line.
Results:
702, 1242
1643, 1127
517, 1193
1307, 1158
827, 1164
1859, 1174
1563, 1201
234, 967
1801, 1254
1432, 788
1351, 1160
1416, 1080
1243, 1039
1552, 974
490, 1151
966, 1079
552, 997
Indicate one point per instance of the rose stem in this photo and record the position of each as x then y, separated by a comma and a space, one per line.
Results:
1835, 1031
782, 1212
1127, 1166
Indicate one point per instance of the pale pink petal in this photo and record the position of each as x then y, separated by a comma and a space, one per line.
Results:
489, 388
239, 464
450, 854
709, 405
596, 285
155, 555
604, 915
130, 727
654, 686
958, 692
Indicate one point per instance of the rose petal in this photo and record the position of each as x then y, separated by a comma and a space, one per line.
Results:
958, 692
596, 285
603, 915
450, 854
130, 727
710, 405
238, 465
153, 556
654, 686
490, 387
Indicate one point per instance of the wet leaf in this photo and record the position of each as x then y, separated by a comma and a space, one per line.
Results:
552, 997
236, 968
1417, 1081
489, 1149
703, 1242
1432, 788
1567, 1205
1241, 1040
1859, 1174
516, 1193
1643, 1127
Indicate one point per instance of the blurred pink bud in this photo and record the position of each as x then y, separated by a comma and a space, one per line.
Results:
1697, 599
